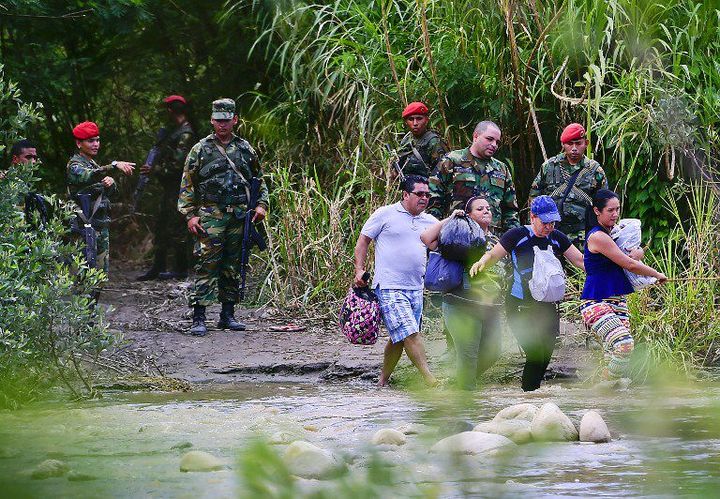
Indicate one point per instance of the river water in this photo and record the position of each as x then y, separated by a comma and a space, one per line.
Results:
666, 441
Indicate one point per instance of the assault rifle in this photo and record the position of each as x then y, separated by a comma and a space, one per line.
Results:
84, 228
151, 159
250, 234
34, 202
395, 162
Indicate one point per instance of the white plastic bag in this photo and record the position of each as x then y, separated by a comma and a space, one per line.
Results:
627, 233
548, 278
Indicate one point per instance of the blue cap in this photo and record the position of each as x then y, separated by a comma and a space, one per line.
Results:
545, 208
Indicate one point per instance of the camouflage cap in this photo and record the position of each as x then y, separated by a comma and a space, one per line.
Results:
223, 109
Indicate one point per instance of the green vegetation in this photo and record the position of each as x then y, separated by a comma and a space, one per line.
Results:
47, 321
321, 85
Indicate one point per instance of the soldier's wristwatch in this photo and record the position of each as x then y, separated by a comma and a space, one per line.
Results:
114, 164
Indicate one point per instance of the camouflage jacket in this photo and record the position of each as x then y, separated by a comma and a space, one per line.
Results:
460, 176
206, 153
430, 147
173, 152
83, 176
552, 180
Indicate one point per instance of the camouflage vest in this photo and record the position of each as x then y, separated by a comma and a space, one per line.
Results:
217, 181
418, 161
578, 199
93, 187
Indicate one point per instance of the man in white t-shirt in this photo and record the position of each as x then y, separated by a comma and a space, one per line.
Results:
400, 260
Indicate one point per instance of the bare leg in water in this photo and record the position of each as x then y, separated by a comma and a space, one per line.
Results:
393, 352
415, 350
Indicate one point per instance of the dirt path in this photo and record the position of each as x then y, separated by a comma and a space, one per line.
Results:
152, 316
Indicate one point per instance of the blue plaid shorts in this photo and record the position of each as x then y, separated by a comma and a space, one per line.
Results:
401, 311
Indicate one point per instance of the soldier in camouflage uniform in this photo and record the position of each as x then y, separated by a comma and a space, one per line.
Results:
555, 177
213, 196
85, 176
420, 149
472, 172
170, 233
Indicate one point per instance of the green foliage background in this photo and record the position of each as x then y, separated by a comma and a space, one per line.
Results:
320, 86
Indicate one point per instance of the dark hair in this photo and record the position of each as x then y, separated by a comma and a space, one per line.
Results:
408, 185
483, 125
600, 201
469, 202
18, 146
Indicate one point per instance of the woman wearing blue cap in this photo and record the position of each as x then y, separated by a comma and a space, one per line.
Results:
535, 324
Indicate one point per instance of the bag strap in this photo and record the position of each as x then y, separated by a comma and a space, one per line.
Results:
246, 184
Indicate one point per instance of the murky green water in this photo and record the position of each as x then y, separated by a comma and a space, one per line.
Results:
666, 443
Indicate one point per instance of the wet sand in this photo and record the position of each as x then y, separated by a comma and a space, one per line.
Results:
153, 317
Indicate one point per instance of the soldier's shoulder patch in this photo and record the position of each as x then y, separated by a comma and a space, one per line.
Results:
244, 144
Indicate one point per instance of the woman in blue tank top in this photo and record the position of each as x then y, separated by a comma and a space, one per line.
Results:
604, 307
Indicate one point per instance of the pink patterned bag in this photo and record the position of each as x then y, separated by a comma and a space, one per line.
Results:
360, 316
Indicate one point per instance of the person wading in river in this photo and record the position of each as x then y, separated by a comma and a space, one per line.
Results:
535, 324
400, 259
472, 310
604, 306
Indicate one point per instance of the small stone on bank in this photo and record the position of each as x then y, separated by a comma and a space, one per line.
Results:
388, 436
472, 442
593, 428
197, 460
551, 424
309, 461
525, 412
49, 468
181, 446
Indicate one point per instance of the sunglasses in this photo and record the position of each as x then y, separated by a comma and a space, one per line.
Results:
422, 194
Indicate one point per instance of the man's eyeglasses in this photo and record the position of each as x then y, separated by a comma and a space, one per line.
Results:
422, 194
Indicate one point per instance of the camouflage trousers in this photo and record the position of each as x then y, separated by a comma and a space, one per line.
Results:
218, 257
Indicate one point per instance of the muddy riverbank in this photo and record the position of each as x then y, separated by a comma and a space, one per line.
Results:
153, 316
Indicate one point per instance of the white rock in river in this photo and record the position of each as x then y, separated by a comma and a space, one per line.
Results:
551, 424
517, 411
517, 430
197, 460
309, 461
49, 468
388, 436
472, 442
593, 428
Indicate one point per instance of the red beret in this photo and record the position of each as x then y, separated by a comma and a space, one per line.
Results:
173, 98
573, 131
414, 108
86, 130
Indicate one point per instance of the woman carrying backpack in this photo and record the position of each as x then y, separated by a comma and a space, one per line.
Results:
535, 324
471, 311
604, 307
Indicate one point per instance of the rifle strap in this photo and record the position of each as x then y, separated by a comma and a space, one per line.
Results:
96, 206
246, 184
569, 185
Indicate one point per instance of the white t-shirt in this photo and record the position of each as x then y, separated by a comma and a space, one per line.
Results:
400, 256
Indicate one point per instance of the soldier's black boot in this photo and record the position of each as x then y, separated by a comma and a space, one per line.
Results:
198, 327
227, 318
